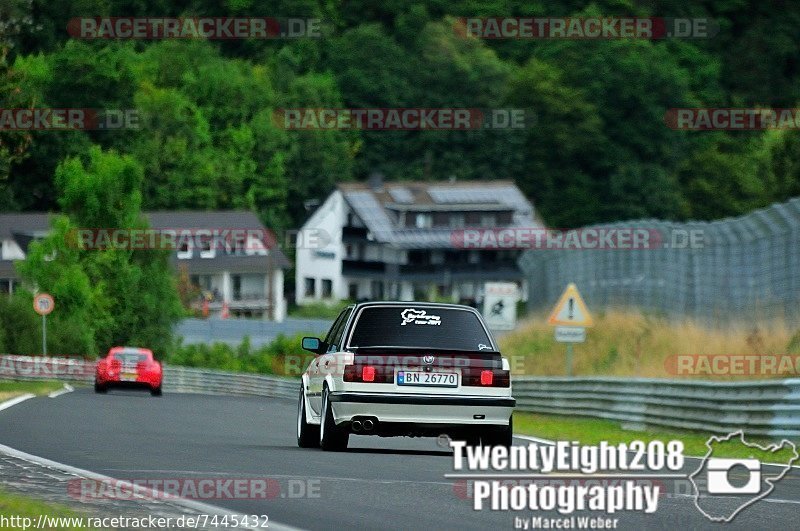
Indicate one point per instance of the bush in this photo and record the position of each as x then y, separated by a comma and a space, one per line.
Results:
282, 357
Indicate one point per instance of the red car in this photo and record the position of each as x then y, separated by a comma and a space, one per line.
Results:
128, 367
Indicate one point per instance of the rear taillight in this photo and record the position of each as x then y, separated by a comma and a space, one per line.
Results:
367, 373
487, 378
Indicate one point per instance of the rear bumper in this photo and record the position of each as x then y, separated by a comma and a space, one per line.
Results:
422, 400
422, 409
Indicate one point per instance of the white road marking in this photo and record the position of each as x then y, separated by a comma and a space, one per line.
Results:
16, 400
67, 389
200, 507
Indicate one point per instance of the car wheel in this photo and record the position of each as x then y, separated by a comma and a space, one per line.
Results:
99, 388
500, 435
331, 438
307, 434
156, 391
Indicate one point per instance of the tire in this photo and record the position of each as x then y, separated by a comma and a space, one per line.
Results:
307, 434
331, 438
100, 389
156, 391
499, 435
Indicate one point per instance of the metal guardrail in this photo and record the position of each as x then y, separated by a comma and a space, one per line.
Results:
767, 407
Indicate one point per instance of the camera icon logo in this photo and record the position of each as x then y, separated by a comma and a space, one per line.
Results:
720, 472
724, 486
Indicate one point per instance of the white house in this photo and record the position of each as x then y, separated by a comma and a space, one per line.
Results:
395, 241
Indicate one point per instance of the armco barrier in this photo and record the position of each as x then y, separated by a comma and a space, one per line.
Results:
766, 407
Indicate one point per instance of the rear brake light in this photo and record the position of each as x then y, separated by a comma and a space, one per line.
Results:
368, 373
486, 378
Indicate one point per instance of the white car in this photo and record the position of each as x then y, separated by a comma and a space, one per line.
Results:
405, 368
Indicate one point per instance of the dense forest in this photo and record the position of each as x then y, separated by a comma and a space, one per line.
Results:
599, 150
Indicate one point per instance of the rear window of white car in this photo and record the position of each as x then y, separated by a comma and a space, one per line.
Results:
422, 327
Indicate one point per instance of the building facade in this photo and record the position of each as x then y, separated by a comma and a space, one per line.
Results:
236, 279
399, 241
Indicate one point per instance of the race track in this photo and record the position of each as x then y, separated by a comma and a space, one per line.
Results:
377, 484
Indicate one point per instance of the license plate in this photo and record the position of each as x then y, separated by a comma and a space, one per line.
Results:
431, 379
128, 376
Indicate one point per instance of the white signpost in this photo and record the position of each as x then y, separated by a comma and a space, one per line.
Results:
570, 317
43, 304
500, 305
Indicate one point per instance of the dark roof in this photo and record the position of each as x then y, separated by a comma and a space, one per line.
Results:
375, 204
28, 223
195, 219
22, 227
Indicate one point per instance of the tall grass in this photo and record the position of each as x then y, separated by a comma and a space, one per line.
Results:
625, 343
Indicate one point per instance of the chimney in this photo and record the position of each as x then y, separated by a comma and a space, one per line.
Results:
375, 181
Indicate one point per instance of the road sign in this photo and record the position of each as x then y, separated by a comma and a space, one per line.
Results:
500, 305
570, 310
570, 334
43, 303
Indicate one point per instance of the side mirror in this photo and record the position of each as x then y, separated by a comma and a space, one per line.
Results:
312, 344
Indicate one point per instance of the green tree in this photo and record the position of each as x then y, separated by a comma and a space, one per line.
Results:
104, 297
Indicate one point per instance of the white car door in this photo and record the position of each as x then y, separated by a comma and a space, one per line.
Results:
324, 363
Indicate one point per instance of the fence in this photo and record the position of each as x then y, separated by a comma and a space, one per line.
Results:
729, 270
770, 408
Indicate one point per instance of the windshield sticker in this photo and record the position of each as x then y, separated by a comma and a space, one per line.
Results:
419, 317
481, 346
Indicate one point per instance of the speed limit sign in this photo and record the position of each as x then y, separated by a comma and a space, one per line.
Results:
43, 303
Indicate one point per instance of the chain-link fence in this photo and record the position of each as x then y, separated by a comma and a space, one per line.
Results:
745, 268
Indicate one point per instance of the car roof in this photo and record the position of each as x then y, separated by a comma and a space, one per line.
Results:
415, 303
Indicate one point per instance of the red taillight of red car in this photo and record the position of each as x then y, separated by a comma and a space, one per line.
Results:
487, 378
367, 374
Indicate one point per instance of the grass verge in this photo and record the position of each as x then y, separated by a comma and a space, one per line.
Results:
628, 343
592, 431
39, 388
15, 505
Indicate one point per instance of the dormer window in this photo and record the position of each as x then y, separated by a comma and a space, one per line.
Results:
424, 221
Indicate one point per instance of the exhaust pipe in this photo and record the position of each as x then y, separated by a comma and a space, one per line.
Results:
357, 425
368, 425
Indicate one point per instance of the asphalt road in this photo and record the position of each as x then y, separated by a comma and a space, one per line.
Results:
377, 484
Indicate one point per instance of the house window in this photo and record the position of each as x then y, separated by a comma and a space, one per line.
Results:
207, 248
424, 221
488, 220
457, 220
377, 290
310, 287
185, 250
327, 288
237, 287
352, 291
